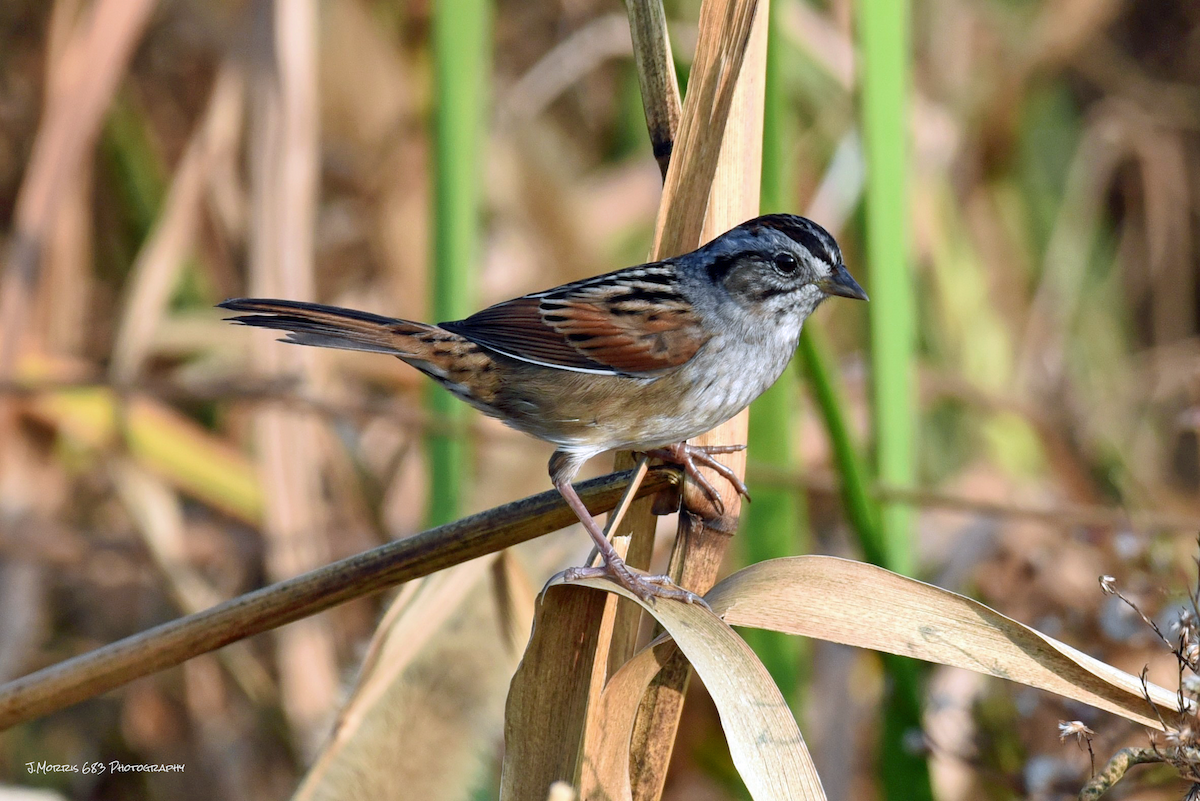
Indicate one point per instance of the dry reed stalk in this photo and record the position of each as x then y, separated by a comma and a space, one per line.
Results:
284, 158
551, 717
702, 541
656, 77
634, 538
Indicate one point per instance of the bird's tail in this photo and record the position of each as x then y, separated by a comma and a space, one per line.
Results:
334, 327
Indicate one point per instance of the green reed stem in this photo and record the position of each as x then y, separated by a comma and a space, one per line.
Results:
860, 508
883, 36
776, 523
883, 29
462, 48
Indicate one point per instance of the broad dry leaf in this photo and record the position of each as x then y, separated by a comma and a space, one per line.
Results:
763, 737
854, 603
548, 696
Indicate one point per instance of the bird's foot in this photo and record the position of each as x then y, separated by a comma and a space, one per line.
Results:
648, 588
692, 457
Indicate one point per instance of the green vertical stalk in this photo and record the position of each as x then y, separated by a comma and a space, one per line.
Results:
860, 508
883, 28
775, 524
461, 54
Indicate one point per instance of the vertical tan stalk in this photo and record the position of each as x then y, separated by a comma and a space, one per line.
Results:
701, 540
552, 712
64, 288
283, 158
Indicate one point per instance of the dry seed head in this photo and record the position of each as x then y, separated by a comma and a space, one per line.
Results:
1108, 584
1185, 626
1074, 728
1184, 737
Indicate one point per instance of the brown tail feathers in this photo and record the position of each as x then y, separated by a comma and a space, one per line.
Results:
329, 326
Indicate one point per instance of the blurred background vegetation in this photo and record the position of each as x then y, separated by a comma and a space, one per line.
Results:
424, 159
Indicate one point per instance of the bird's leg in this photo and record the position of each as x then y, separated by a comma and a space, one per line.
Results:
613, 566
691, 457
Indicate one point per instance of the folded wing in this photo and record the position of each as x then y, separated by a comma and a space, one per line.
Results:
631, 322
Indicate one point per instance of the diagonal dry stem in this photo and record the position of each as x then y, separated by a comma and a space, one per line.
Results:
167, 645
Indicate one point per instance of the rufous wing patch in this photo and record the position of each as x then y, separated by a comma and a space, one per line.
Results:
638, 341
633, 322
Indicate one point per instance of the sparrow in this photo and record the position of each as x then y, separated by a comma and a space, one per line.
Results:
639, 359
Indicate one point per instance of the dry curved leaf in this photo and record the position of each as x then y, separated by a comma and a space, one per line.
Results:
764, 740
858, 604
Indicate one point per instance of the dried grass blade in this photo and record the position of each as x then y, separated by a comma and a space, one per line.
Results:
159, 439
858, 604
764, 740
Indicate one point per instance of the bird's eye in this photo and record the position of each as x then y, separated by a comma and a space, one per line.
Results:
786, 263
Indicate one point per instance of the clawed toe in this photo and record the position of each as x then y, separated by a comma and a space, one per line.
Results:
689, 456
580, 573
666, 588
648, 588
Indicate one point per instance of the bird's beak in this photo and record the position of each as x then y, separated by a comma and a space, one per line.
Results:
843, 284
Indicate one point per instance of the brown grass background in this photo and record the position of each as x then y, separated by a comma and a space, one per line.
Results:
154, 460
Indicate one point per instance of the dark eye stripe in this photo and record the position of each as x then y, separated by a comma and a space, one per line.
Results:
720, 267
